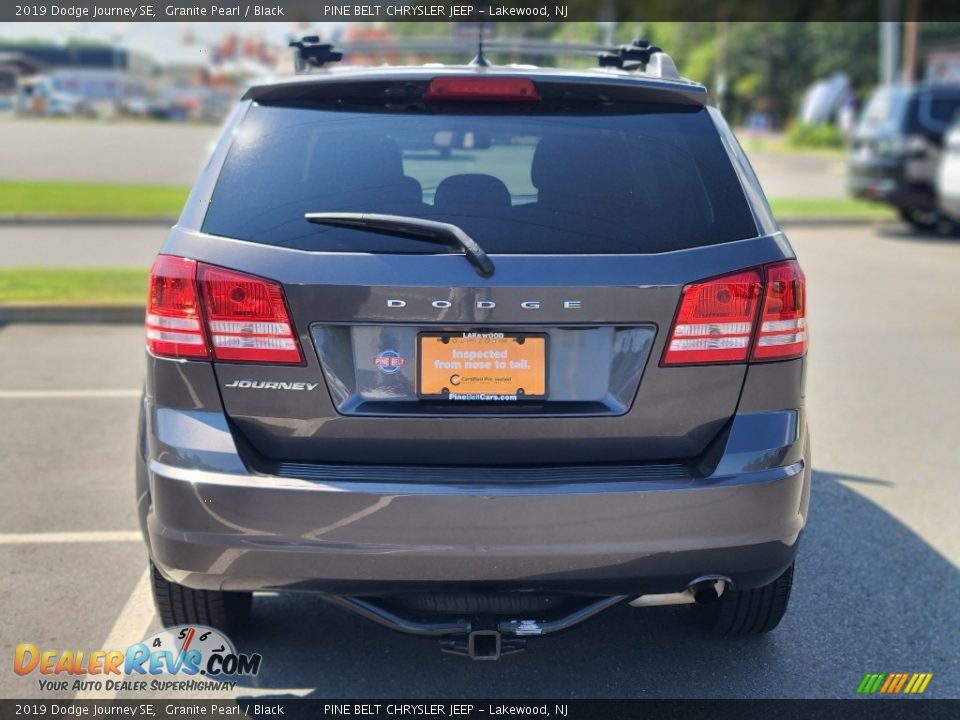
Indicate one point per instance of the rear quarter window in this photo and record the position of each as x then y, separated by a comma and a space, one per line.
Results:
630, 179
938, 110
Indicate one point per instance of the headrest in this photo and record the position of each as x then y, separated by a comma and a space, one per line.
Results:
471, 189
584, 165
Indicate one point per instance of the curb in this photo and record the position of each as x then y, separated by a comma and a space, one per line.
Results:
165, 220
49, 313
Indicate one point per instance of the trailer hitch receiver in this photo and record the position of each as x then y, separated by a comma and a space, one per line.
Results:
483, 645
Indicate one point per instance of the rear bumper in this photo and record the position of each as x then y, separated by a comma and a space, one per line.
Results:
951, 207
887, 183
211, 523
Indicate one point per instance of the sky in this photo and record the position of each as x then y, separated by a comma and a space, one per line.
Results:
161, 40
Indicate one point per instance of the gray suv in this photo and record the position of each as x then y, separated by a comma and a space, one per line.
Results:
476, 352
897, 147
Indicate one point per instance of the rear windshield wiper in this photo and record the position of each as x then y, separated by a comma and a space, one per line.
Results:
410, 227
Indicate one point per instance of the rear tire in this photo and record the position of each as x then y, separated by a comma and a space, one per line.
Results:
922, 220
747, 612
180, 605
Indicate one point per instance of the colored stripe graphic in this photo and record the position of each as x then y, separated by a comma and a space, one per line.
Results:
894, 683
918, 683
891, 680
903, 681
870, 683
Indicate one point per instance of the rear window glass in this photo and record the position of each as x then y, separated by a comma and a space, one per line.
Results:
944, 109
653, 179
938, 110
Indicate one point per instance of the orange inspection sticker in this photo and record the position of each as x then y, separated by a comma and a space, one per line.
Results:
482, 366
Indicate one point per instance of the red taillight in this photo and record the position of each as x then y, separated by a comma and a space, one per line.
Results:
244, 317
783, 320
715, 321
174, 324
247, 317
482, 89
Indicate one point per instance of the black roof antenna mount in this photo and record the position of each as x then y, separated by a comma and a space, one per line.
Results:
480, 60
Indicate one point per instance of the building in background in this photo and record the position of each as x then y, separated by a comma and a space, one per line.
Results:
196, 80
95, 74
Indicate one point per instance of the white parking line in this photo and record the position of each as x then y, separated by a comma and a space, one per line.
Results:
70, 537
62, 394
131, 627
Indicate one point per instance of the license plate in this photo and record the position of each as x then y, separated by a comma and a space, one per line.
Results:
482, 366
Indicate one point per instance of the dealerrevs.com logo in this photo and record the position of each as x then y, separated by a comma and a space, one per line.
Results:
187, 658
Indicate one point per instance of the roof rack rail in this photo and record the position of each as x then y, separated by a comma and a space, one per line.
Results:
640, 54
311, 53
528, 47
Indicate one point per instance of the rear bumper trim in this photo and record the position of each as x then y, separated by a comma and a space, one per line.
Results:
494, 476
591, 480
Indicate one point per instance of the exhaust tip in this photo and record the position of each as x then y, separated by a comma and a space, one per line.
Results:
706, 590
704, 595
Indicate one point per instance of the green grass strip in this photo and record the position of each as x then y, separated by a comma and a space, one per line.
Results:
67, 198
829, 208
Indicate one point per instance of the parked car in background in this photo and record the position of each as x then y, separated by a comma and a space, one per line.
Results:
948, 178
39, 97
896, 149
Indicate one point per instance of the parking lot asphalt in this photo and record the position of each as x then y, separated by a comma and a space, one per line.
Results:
80, 245
110, 152
877, 586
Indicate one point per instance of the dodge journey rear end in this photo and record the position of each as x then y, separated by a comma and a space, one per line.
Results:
477, 353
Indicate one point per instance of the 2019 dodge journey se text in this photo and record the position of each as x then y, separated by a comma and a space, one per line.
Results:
476, 352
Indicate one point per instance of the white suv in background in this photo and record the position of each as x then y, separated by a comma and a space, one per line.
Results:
948, 177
